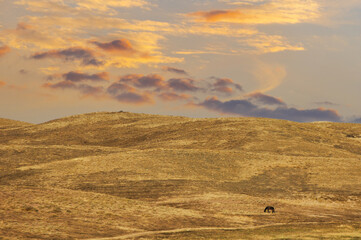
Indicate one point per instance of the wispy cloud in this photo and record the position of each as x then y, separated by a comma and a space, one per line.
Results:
326, 103
85, 89
174, 70
80, 6
269, 75
27, 36
171, 96
106, 6
70, 54
4, 50
265, 12
263, 43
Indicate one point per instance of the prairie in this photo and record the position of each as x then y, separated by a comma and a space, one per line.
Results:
138, 176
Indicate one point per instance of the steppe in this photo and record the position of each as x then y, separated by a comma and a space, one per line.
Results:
123, 175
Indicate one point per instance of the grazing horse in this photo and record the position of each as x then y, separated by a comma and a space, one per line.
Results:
269, 208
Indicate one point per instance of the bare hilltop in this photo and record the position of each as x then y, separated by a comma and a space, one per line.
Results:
139, 176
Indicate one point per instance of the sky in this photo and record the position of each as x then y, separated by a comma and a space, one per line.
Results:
298, 60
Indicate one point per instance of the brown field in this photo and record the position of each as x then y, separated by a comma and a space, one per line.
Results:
138, 176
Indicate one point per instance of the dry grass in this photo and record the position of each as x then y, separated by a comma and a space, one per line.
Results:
156, 177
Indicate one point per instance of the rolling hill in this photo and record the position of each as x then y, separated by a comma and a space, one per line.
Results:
138, 176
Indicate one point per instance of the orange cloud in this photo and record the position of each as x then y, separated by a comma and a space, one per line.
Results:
28, 36
262, 43
265, 12
122, 47
80, 6
4, 50
118, 46
106, 6
2, 84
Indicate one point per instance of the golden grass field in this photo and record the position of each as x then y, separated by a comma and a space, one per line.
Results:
138, 176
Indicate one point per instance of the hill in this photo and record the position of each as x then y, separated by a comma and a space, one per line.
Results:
143, 176
7, 123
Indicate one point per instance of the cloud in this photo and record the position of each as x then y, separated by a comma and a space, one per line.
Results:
122, 46
78, 76
122, 51
125, 93
2, 84
61, 85
174, 70
85, 89
134, 98
132, 49
106, 6
4, 50
89, 90
170, 96
265, 12
80, 6
262, 43
27, 36
356, 120
268, 75
183, 84
144, 81
226, 85
326, 103
247, 108
70, 54
265, 99
117, 87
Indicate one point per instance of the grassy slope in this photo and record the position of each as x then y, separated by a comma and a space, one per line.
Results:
110, 174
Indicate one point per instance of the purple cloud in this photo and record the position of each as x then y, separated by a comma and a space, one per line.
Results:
174, 70
71, 54
226, 85
265, 99
247, 108
144, 81
79, 77
183, 84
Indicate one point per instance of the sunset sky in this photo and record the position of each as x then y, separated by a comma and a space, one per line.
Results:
298, 60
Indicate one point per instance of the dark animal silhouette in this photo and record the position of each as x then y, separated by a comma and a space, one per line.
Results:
269, 208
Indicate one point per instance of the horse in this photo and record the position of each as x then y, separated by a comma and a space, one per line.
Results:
269, 208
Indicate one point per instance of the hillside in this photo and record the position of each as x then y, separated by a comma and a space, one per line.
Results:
7, 123
141, 176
